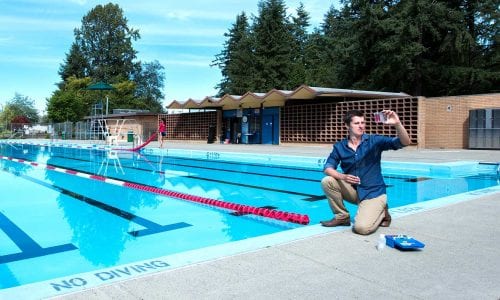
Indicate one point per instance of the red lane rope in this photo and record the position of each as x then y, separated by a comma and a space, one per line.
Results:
241, 208
245, 209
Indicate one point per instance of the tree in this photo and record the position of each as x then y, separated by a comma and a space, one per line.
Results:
105, 40
19, 108
476, 57
422, 47
300, 24
487, 33
437, 49
323, 50
268, 54
359, 30
103, 51
149, 81
71, 102
75, 64
236, 60
273, 47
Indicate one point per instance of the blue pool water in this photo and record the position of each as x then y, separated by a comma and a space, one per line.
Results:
67, 228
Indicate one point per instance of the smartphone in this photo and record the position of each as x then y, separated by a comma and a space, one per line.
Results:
379, 117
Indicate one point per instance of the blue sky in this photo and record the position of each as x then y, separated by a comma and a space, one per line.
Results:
184, 36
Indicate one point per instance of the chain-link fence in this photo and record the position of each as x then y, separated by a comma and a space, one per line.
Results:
22, 130
83, 130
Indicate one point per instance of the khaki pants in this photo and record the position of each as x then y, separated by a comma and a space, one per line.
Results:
370, 211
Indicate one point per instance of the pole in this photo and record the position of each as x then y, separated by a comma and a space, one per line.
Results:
107, 102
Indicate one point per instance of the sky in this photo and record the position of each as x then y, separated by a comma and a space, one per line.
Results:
184, 36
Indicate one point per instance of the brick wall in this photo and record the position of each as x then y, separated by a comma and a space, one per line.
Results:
447, 119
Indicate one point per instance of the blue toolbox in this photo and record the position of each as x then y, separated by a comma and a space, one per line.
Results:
403, 242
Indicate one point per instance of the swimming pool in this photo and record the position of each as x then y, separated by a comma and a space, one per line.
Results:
87, 215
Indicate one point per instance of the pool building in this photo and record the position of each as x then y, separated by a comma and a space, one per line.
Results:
313, 115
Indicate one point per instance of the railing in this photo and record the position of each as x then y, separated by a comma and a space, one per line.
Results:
63, 131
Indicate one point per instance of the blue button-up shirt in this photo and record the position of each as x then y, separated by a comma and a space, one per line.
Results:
364, 162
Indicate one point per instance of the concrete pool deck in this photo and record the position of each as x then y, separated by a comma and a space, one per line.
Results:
460, 259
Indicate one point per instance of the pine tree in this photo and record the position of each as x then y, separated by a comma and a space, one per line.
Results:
75, 64
300, 24
326, 49
421, 47
273, 47
438, 49
236, 60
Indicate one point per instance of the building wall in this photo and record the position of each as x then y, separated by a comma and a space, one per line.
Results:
323, 123
437, 122
447, 119
192, 126
141, 126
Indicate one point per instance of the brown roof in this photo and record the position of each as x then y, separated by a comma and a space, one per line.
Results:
278, 98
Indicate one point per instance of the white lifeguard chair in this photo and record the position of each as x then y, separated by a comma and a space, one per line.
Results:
118, 131
111, 155
112, 140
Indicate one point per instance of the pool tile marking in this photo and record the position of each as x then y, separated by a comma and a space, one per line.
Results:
151, 227
29, 248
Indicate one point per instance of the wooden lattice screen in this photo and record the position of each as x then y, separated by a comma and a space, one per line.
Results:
322, 123
191, 126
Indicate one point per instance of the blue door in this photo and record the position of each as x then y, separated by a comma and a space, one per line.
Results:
267, 129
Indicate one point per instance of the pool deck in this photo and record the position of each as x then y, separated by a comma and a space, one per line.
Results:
461, 259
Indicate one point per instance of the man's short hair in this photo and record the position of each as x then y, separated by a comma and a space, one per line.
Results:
352, 113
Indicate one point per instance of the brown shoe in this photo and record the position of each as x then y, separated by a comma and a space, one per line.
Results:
342, 221
386, 221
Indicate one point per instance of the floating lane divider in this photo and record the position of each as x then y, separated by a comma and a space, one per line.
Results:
98, 147
241, 208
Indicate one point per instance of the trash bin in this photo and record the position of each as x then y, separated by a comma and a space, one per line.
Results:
63, 135
130, 136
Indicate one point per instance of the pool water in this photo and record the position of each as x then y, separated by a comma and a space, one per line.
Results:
65, 211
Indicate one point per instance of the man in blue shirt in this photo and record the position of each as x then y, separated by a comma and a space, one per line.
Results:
361, 181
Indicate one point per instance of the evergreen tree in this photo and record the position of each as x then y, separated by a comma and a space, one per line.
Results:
326, 47
475, 67
75, 64
236, 60
363, 34
300, 24
403, 48
487, 34
422, 47
273, 47
437, 50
